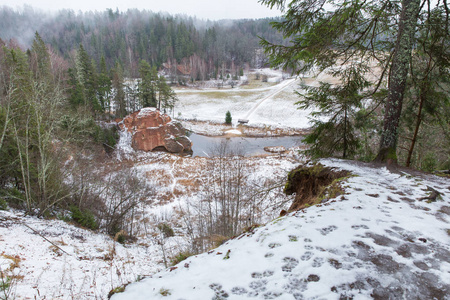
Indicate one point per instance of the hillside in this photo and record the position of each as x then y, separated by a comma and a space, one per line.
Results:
378, 240
383, 239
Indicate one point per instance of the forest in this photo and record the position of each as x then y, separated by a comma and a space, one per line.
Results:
372, 78
65, 76
82, 69
208, 48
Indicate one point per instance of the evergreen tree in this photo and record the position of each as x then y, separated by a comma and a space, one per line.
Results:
428, 99
29, 113
119, 97
40, 58
147, 84
349, 38
228, 118
166, 96
104, 87
338, 104
85, 74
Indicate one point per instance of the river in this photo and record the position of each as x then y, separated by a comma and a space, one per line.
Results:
206, 146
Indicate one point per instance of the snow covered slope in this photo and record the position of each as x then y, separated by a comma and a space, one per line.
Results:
51, 259
381, 240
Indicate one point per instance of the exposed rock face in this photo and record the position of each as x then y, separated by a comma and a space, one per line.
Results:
150, 129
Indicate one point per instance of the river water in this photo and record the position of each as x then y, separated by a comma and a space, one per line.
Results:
206, 146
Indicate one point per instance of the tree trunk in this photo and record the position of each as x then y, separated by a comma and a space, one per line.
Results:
416, 131
397, 81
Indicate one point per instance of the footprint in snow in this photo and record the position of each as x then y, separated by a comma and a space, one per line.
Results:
258, 285
327, 230
356, 227
266, 273
295, 285
318, 262
220, 293
290, 264
274, 245
239, 290
272, 295
313, 277
306, 256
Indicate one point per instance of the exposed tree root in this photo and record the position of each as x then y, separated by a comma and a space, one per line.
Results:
312, 184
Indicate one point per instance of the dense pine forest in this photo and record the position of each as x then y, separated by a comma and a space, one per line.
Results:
204, 47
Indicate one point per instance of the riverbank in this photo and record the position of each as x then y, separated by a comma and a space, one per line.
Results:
215, 129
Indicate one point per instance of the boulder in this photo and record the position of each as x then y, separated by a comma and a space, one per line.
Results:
151, 129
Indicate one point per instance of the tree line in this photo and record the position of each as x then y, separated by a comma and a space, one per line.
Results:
53, 138
108, 94
128, 37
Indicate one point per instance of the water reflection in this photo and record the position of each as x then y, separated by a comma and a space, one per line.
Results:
206, 146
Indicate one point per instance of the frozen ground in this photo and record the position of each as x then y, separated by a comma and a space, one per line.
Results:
271, 103
51, 259
381, 240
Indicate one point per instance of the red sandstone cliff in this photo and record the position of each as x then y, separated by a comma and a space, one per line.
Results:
150, 129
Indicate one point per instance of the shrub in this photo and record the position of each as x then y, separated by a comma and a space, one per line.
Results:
180, 257
121, 237
84, 218
119, 289
166, 230
5, 283
228, 118
108, 136
13, 197
429, 163
3, 204
164, 292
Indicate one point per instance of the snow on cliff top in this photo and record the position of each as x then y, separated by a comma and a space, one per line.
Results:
146, 111
379, 240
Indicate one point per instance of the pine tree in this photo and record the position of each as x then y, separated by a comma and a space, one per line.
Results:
339, 105
40, 58
166, 96
85, 74
119, 97
350, 37
147, 84
228, 118
104, 87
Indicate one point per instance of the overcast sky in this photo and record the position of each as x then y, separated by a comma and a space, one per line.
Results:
203, 9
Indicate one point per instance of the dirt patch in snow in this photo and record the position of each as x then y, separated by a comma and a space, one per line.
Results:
312, 183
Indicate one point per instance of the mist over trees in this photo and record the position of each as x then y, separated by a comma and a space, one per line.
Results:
205, 48
63, 75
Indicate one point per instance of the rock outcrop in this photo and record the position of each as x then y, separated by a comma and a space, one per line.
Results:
152, 130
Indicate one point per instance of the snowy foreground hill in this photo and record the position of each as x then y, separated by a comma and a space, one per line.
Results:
383, 239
